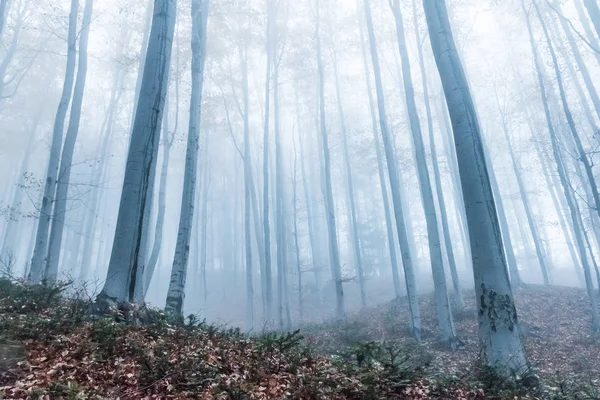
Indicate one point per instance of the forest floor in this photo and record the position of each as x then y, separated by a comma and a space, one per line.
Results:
50, 349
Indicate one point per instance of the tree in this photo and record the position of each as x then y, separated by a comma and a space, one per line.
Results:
499, 336
334, 252
126, 266
444, 312
38, 260
405, 250
176, 292
66, 160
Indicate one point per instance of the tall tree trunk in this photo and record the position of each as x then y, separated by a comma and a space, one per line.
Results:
243, 53
524, 197
125, 270
162, 198
66, 161
268, 307
405, 248
176, 292
310, 217
358, 259
334, 253
460, 302
499, 337
577, 228
38, 260
389, 223
444, 312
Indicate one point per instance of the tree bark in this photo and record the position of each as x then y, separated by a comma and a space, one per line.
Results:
176, 292
334, 254
38, 260
460, 302
501, 346
405, 248
66, 160
444, 312
355, 239
125, 270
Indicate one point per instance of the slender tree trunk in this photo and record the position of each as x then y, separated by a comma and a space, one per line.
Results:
247, 191
162, 199
405, 250
176, 292
577, 228
355, 239
38, 260
125, 269
444, 312
310, 217
460, 302
268, 307
66, 161
334, 254
525, 198
501, 346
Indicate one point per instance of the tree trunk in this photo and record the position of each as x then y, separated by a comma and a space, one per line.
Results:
268, 307
176, 292
66, 161
525, 198
405, 250
125, 268
444, 312
162, 199
499, 337
355, 239
460, 302
334, 254
38, 260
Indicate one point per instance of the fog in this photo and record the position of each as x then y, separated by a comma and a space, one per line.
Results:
276, 164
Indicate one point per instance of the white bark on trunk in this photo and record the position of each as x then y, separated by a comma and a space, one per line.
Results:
405, 249
389, 223
354, 237
499, 336
126, 261
38, 260
444, 312
334, 253
176, 292
66, 160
